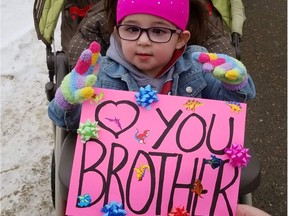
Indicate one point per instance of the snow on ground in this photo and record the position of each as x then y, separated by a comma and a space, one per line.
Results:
26, 131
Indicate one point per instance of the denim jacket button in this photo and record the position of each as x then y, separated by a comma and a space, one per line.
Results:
189, 89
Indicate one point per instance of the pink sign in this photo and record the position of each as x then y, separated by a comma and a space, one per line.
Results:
153, 160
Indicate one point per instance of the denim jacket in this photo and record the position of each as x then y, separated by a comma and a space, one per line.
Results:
188, 80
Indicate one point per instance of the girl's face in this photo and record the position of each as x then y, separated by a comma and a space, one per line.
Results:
149, 57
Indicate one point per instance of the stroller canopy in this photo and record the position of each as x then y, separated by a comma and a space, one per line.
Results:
46, 14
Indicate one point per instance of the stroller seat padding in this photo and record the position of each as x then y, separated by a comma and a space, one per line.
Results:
250, 175
66, 161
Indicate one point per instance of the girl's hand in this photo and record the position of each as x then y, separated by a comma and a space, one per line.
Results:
229, 70
77, 86
246, 210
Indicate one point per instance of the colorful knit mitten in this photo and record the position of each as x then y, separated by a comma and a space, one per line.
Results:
77, 86
229, 70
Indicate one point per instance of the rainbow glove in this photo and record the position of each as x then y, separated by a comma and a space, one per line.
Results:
77, 86
229, 70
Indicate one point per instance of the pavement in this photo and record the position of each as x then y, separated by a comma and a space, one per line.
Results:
264, 52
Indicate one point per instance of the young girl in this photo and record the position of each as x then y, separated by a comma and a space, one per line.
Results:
149, 46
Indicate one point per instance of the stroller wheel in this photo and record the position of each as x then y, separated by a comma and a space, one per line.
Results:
53, 178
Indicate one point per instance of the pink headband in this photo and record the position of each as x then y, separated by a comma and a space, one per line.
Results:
174, 11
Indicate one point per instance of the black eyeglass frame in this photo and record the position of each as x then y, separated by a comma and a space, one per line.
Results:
172, 31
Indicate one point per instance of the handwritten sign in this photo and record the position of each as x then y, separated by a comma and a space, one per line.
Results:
154, 160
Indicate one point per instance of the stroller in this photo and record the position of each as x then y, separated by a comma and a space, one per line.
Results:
45, 19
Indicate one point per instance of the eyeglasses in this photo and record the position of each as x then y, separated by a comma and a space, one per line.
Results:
155, 34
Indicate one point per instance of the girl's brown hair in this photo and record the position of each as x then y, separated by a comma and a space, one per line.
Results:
110, 9
197, 24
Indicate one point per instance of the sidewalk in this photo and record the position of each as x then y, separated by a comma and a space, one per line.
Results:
264, 52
